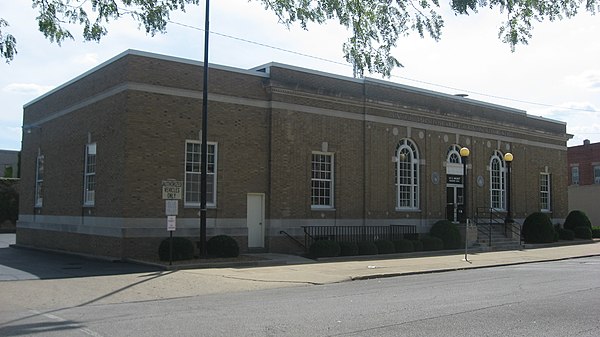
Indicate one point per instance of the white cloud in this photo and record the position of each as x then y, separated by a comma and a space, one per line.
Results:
589, 79
27, 88
87, 59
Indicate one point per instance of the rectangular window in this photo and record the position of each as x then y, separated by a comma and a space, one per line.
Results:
321, 195
89, 179
597, 174
39, 181
575, 175
545, 192
192, 173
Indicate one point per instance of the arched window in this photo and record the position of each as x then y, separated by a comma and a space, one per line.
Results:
407, 175
454, 155
497, 181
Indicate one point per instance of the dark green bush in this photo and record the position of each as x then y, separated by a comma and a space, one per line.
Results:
566, 234
367, 248
417, 245
222, 246
583, 232
324, 248
183, 249
596, 232
404, 246
432, 243
9, 203
385, 247
348, 248
448, 232
538, 228
577, 218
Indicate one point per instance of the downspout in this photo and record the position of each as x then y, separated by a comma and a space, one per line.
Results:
364, 106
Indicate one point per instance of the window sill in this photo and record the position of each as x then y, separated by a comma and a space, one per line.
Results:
322, 209
408, 210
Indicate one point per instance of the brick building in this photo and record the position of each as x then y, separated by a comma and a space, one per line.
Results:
584, 179
288, 147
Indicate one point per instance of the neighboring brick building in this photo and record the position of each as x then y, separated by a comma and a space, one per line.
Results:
584, 179
9, 164
289, 147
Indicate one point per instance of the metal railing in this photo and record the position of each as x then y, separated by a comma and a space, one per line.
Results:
293, 239
358, 233
487, 218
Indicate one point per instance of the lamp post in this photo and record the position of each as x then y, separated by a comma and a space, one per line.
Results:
508, 158
464, 154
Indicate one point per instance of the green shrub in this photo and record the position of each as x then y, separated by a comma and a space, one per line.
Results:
348, 248
404, 246
448, 232
367, 248
324, 248
577, 218
432, 243
583, 232
222, 246
417, 245
538, 228
596, 232
566, 234
9, 203
183, 249
385, 247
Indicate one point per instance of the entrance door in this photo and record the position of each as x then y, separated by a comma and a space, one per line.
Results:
255, 218
454, 203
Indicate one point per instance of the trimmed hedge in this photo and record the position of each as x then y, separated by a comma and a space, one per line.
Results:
348, 248
596, 232
583, 232
9, 203
183, 249
222, 246
404, 246
538, 228
324, 248
447, 232
385, 247
566, 234
432, 243
367, 248
417, 245
577, 218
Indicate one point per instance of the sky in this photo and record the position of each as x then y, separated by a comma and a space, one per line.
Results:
556, 76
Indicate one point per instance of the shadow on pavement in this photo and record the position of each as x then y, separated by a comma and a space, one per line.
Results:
27, 264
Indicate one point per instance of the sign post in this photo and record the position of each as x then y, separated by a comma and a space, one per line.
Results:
172, 191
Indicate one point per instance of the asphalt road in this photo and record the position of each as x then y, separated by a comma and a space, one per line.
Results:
558, 298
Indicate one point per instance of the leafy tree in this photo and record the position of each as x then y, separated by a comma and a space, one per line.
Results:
376, 25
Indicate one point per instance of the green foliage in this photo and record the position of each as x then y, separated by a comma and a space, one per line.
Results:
596, 232
183, 249
538, 228
222, 246
432, 243
566, 234
417, 245
385, 247
448, 232
367, 248
8, 43
583, 232
404, 246
348, 248
9, 203
324, 248
577, 218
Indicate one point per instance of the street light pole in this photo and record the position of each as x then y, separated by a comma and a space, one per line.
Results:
204, 145
508, 158
464, 154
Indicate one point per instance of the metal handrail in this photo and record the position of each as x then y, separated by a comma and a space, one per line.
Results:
495, 218
293, 239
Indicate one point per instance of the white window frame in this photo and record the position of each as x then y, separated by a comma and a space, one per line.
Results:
596, 171
545, 192
39, 181
322, 182
89, 175
575, 175
407, 178
453, 155
211, 174
497, 182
